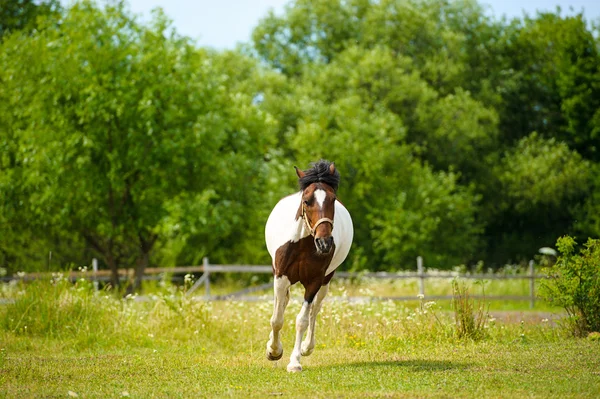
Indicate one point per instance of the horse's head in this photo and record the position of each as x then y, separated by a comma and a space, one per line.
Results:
317, 208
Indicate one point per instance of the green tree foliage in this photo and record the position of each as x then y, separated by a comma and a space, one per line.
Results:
399, 205
16, 238
536, 184
462, 96
128, 133
587, 214
540, 173
459, 137
552, 82
22, 14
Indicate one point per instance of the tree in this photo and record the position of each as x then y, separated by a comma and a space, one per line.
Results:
539, 181
367, 100
401, 207
21, 14
552, 82
461, 95
125, 128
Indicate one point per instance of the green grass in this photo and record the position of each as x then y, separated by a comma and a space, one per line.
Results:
385, 288
58, 340
567, 369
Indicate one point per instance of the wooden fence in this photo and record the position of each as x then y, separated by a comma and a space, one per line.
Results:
207, 269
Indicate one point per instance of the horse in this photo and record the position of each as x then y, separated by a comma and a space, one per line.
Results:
308, 235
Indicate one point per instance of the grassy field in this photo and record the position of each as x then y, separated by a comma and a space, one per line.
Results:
382, 288
60, 340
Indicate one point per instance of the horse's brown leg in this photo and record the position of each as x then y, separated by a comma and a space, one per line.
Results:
308, 345
281, 297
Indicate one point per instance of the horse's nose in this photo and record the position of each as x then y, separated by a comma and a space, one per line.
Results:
324, 244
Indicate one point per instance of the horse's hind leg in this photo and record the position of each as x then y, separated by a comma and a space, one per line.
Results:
281, 297
308, 345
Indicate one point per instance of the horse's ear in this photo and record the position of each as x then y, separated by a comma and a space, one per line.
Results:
300, 173
332, 168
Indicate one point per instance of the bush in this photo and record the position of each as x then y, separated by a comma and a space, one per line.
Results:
574, 284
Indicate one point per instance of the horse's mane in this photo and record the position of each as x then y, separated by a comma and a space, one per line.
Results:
319, 173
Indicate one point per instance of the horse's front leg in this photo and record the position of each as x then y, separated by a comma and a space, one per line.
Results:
281, 297
309, 342
301, 325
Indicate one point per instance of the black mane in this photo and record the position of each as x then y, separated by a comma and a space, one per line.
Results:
319, 173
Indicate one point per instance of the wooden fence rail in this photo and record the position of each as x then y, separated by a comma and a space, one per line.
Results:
207, 269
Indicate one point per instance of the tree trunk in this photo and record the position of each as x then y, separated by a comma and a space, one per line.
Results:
107, 253
140, 267
141, 264
114, 270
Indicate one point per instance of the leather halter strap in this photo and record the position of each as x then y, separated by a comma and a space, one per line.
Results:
319, 222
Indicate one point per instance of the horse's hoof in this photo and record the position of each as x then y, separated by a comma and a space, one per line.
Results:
294, 368
272, 357
307, 352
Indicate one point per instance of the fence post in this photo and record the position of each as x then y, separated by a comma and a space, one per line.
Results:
531, 284
207, 274
95, 270
421, 274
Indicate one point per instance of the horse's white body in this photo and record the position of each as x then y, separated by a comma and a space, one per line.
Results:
282, 227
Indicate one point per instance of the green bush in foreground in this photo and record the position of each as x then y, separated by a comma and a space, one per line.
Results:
574, 284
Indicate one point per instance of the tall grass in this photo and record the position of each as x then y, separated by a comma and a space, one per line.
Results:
470, 316
60, 310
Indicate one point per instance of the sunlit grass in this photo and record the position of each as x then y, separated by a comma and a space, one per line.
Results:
58, 337
380, 288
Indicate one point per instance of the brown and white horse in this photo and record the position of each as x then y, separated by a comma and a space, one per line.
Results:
308, 235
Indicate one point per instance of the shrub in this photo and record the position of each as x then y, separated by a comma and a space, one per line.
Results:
573, 283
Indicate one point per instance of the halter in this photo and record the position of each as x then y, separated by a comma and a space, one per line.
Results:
320, 221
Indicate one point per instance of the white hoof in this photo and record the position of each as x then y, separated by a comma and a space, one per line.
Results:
294, 368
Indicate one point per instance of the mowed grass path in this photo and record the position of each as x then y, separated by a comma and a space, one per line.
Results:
39, 368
